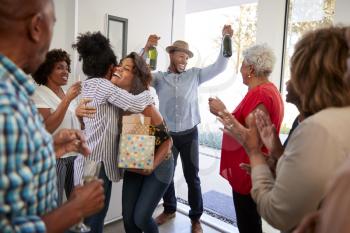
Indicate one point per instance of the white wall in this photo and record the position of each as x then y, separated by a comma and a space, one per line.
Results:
144, 18
270, 26
64, 28
179, 20
342, 8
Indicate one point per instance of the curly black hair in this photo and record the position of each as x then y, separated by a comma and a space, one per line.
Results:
45, 69
96, 52
141, 72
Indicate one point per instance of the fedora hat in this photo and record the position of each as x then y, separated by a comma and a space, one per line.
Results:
179, 45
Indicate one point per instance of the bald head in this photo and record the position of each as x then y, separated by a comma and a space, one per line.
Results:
26, 28
14, 11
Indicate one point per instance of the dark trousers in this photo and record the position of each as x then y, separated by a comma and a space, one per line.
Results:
248, 219
65, 177
96, 221
187, 145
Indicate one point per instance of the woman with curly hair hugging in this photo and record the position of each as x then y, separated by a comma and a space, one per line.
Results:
57, 108
142, 190
101, 131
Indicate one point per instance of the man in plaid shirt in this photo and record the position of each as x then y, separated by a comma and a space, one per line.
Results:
27, 151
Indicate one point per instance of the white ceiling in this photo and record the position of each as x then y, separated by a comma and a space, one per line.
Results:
203, 5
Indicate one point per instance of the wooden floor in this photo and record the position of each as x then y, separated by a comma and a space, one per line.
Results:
180, 224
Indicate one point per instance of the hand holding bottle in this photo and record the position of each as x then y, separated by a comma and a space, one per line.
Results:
152, 41
151, 51
227, 30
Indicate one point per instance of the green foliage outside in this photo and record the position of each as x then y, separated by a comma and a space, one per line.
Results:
211, 139
284, 129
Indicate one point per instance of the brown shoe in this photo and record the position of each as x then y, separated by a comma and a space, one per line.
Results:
196, 226
164, 217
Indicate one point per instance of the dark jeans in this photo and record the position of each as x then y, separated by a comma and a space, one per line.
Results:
96, 221
141, 195
248, 219
187, 145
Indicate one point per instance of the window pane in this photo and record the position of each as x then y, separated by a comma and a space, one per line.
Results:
205, 42
304, 15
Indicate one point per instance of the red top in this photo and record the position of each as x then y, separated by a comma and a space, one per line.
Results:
232, 153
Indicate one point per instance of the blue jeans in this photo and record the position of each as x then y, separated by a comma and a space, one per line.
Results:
96, 221
141, 195
187, 145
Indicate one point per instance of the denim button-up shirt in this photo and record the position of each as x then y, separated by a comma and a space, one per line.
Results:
178, 94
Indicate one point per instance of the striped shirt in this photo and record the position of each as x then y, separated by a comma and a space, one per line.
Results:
27, 160
101, 131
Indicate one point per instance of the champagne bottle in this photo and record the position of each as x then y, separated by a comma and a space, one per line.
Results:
227, 46
152, 55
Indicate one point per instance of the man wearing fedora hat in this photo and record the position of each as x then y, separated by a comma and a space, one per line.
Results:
177, 89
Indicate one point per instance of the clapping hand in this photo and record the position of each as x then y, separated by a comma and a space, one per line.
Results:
270, 161
268, 134
247, 137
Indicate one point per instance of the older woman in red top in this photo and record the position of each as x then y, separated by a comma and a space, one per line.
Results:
256, 67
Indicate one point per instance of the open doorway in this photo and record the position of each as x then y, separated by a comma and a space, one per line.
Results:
203, 33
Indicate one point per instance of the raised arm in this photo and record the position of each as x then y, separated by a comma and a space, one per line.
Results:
209, 72
151, 41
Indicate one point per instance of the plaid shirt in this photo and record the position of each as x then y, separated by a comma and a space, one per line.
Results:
27, 161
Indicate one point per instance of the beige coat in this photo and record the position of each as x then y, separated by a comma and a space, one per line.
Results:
315, 151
